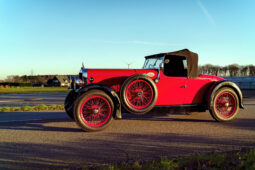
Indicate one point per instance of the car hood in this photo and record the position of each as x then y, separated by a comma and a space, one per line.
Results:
100, 75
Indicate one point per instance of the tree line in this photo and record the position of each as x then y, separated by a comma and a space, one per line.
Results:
35, 80
28, 79
229, 70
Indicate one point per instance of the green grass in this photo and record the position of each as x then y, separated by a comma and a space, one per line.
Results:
33, 89
41, 107
240, 160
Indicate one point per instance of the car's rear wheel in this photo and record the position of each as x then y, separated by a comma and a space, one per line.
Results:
93, 110
69, 100
139, 94
224, 105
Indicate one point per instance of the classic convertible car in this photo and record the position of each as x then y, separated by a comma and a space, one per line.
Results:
167, 80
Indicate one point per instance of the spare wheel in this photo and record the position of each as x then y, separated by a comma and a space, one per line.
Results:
138, 94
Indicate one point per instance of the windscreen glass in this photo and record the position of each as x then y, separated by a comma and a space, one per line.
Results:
153, 63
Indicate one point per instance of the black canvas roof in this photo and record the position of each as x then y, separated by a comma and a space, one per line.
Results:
192, 60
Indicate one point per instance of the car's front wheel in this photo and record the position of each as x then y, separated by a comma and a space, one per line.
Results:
93, 110
224, 105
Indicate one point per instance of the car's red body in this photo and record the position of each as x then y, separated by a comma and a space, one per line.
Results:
166, 80
171, 90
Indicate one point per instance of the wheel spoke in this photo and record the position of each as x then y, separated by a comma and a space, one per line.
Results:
139, 94
95, 111
225, 104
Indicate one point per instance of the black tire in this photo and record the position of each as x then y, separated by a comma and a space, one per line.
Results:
93, 110
224, 105
138, 99
69, 100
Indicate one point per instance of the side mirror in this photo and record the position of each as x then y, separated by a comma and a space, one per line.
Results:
161, 66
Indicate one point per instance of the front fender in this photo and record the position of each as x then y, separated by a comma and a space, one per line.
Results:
225, 83
107, 90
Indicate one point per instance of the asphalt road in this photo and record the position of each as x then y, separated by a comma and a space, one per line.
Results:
32, 99
51, 140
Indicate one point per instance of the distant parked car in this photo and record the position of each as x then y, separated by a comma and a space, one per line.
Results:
167, 80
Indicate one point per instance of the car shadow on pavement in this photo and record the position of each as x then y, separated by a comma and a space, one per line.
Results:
165, 117
240, 123
249, 104
109, 148
40, 125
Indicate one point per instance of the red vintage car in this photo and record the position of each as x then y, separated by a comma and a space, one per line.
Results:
167, 80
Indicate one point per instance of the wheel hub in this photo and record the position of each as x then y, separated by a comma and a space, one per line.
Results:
140, 94
95, 111
227, 104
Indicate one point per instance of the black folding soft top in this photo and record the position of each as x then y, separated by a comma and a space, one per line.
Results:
192, 60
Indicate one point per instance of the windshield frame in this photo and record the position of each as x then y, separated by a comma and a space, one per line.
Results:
153, 63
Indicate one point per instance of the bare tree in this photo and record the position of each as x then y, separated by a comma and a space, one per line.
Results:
206, 69
216, 70
251, 70
32, 72
230, 70
233, 69
9, 79
244, 71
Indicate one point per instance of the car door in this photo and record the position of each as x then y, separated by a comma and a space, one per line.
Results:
172, 83
171, 90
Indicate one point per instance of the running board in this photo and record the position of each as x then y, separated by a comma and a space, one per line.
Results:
180, 108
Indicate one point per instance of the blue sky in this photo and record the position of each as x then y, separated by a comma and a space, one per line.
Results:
56, 36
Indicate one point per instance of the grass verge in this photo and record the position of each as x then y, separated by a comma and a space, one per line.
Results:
240, 160
32, 90
41, 107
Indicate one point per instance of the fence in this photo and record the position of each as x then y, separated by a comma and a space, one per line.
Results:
243, 82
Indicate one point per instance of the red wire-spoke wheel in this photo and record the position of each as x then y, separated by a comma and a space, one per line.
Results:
93, 110
138, 94
225, 105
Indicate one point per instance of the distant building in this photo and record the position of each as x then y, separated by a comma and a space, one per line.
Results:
64, 80
41, 81
58, 81
38, 81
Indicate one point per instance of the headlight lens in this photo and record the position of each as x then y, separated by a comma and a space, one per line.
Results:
83, 75
81, 80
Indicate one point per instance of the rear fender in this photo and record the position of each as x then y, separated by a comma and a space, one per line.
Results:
225, 83
107, 90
